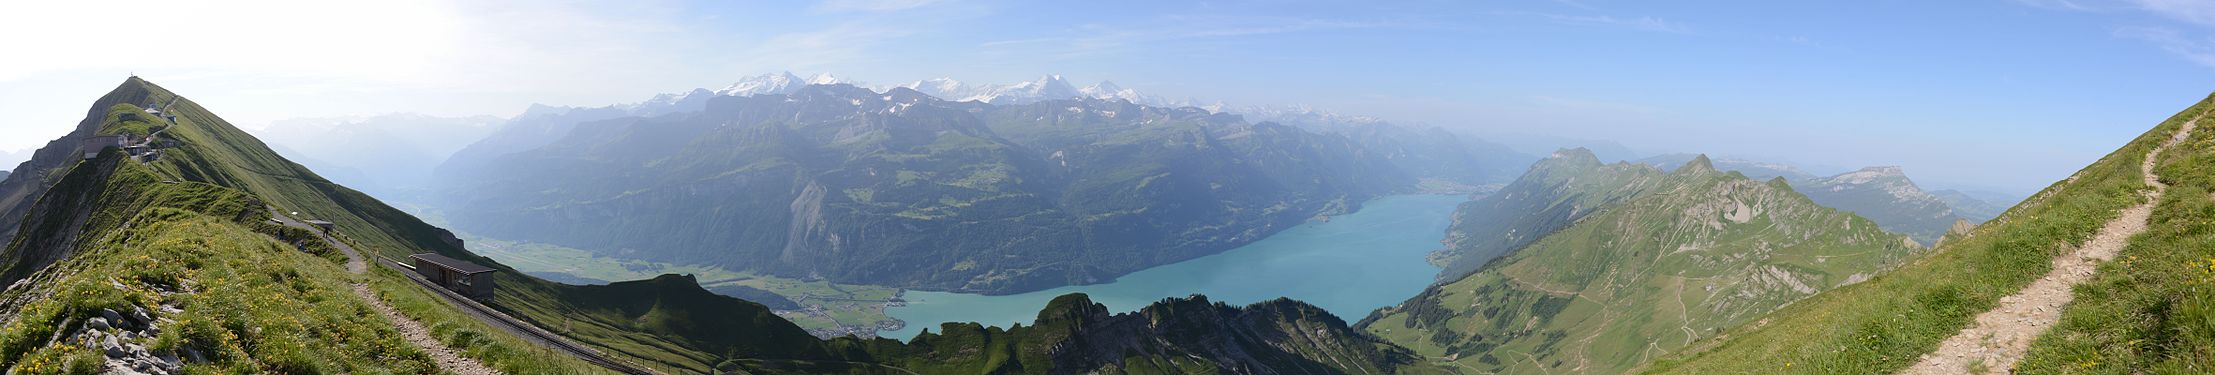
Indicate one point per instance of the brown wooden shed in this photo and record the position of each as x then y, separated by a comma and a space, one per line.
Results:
469, 279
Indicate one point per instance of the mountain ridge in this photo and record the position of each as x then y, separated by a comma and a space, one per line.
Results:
1595, 294
1882, 193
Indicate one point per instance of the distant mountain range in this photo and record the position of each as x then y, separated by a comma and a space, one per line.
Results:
1977, 206
1608, 264
391, 155
1883, 194
1095, 169
900, 188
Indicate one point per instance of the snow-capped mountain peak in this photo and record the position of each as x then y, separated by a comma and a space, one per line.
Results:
939, 87
766, 84
1104, 87
1049, 87
1046, 87
1108, 90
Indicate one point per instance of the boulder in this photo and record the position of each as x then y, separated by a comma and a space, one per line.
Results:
114, 348
115, 318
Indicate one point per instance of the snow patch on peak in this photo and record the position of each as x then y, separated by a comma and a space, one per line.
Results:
935, 86
1108, 90
766, 84
1103, 87
1050, 87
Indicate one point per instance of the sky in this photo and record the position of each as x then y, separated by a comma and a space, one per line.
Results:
1996, 94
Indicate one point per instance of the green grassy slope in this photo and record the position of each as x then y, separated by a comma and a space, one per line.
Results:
73, 221
1554, 193
1698, 251
195, 257
1885, 324
2153, 309
212, 151
244, 299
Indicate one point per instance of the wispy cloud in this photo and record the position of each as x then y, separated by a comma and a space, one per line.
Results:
1100, 39
1589, 105
1640, 23
867, 32
871, 5
2200, 12
2187, 40
2077, 5
1285, 25
2199, 50
814, 50
1575, 3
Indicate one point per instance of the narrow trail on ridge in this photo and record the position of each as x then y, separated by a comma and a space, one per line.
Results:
447, 358
2000, 337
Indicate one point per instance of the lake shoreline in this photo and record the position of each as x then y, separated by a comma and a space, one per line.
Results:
1363, 260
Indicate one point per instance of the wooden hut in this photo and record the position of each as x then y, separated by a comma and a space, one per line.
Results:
469, 279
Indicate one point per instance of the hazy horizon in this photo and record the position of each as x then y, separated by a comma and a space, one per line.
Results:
2007, 95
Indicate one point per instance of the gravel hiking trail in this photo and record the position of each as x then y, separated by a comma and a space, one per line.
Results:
447, 358
2000, 337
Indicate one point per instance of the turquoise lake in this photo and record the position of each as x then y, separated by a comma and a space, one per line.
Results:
1349, 265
